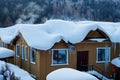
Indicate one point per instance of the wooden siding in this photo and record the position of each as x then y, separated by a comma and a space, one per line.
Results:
44, 65
97, 34
46, 60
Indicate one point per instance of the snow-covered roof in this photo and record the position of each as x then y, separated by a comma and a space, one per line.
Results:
44, 36
69, 74
116, 62
9, 33
5, 53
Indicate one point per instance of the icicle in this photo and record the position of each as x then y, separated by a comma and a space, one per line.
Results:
119, 49
71, 48
106, 65
114, 49
107, 51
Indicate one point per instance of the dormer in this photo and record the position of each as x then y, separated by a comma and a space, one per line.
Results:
97, 36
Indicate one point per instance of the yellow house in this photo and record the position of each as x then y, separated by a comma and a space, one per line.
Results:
56, 44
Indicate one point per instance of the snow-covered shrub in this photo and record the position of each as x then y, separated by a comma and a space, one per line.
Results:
7, 74
1, 77
2, 66
13, 72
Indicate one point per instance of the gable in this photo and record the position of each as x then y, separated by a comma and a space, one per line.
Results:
97, 34
19, 40
61, 44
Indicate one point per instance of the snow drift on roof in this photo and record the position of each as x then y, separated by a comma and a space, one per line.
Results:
44, 36
5, 53
69, 74
116, 62
9, 33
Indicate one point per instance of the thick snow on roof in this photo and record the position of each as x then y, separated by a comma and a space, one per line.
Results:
116, 62
111, 29
5, 53
69, 74
8, 34
44, 36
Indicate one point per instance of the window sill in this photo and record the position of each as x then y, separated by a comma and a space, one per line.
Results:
32, 62
26, 59
17, 56
102, 61
59, 64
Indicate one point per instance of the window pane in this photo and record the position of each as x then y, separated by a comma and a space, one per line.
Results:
0, 43
23, 52
103, 54
59, 57
17, 50
33, 56
26, 53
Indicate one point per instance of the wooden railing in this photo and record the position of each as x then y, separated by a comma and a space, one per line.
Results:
96, 68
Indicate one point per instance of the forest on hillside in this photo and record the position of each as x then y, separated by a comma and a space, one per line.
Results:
38, 11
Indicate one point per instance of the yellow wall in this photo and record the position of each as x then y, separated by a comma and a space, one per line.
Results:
44, 58
91, 48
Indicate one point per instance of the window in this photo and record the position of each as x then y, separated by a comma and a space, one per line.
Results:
32, 56
4, 44
59, 56
23, 52
18, 50
0, 43
103, 54
26, 53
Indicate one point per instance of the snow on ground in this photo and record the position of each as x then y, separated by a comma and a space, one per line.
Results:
5, 53
69, 74
18, 72
2, 65
116, 62
1, 77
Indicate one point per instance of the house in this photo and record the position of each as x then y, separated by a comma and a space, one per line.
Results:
84, 45
7, 36
116, 68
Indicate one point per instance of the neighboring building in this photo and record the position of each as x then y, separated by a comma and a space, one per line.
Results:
7, 35
56, 44
116, 67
